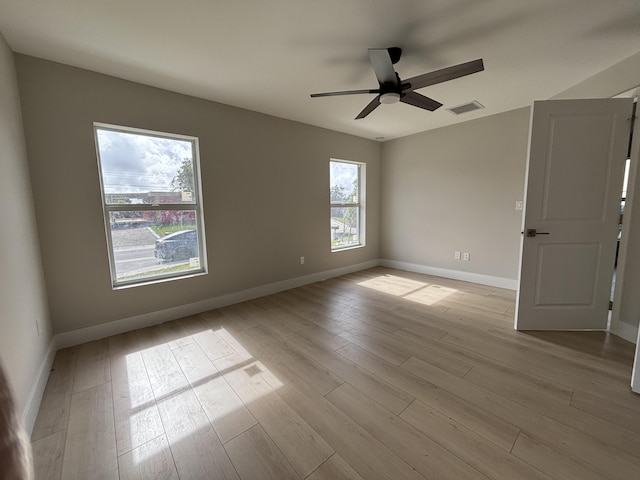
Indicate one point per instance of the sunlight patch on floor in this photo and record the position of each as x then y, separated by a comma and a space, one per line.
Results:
137, 379
420, 292
149, 450
187, 409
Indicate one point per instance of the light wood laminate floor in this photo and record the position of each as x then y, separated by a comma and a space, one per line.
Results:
379, 374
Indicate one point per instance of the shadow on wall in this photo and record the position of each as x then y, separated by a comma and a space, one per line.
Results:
15, 452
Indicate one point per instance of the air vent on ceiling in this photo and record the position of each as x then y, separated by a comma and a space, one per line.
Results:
466, 107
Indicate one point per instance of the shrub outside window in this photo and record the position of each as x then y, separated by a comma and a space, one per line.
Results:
346, 182
152, 204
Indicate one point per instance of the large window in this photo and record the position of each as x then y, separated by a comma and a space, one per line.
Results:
151, 199
346, 181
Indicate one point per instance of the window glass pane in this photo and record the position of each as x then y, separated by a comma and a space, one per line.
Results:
625, 183
145, 169
154, 243
150, 184
344, 227
344, 182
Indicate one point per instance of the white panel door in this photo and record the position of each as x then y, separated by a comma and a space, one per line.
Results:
577, 151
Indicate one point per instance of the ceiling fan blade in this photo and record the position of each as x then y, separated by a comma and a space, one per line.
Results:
383, 66
420, 101
375, 103
443, 75
345, 92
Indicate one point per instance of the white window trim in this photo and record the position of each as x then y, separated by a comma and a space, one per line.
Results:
197, 206
362, 215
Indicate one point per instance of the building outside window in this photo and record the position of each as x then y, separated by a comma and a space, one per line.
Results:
347, 185
152, 204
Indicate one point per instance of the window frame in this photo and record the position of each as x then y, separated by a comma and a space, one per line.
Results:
196, 206
360, 205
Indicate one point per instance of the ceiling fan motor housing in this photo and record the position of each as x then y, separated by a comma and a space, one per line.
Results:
395, 53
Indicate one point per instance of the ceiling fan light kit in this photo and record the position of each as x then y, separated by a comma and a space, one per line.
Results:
389, 98
391, 89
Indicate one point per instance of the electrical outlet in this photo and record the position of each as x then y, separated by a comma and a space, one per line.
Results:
518, 204
456, 255
466, 257
301, 260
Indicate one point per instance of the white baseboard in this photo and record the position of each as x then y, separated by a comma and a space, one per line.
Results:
625, 331
499, 282
635, 373
96, 332
30, 410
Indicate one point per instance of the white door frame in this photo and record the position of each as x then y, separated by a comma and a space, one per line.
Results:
627, 228
618, 327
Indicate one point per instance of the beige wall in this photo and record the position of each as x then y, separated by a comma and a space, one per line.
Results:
264, 180
22, 294
455, 188
617, 79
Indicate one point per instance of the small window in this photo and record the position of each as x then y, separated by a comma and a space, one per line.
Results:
346, 181
152, 206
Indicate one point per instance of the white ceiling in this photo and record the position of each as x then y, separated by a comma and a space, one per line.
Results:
269, 55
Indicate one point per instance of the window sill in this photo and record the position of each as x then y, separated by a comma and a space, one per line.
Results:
351, 247
152, 281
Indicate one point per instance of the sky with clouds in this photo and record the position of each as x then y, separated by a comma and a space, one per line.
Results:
344, 174
134, 163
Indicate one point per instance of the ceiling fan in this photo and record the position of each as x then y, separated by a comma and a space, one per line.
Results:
392, 89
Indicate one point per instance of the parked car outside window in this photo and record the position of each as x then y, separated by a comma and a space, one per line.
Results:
181, 245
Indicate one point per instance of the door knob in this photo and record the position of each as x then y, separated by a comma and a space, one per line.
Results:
531, 232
